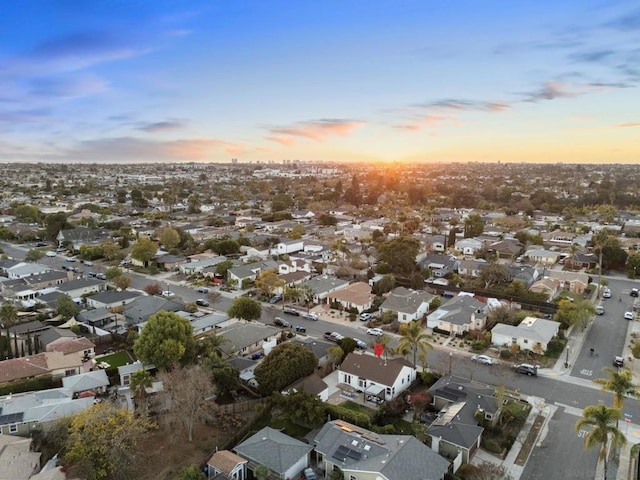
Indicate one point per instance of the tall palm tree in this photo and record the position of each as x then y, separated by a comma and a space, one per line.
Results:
140, 381
602, 420
415, 339
620, 382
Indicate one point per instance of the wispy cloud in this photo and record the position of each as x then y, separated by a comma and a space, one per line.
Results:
317, 130
630, 21
67, 87
464, 104
430, 122
162, 126
555, 90
629, 125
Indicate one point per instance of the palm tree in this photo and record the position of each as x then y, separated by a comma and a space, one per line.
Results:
211, 345
140, 381
602, 420
414, 339
620, 382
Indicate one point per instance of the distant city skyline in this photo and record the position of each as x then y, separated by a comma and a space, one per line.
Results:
376, 81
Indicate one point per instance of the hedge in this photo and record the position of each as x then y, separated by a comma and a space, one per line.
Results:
357, 418
43, 382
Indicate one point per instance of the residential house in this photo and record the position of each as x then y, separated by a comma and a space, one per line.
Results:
285, 456
468, 246
241, 275
81, 236
575, 282
379, 379
246, 367
363, 454
99, 317
319, 348
471, 268
440, 265
357, 295
56, 364
455, 430
18, 460
79, 347
24, 413
95, 382
26, 269
323, 285
287, 248
312, 384
248, 338
524, 273
531, 334
582, 261
546, 286
506, 250
459, 315
208, 322
544, 257
169, 263
227, 463
138, 312
434, 243
112, 299
409, 305
198, 266
80, 287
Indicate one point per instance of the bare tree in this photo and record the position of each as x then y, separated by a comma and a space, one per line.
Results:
188, 397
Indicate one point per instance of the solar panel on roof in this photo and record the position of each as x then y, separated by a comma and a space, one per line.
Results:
341, 453
11, 418
354, 454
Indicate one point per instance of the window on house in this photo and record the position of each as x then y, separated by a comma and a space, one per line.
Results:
526, 341
388, 391
13, 428
68, 373
352, 477
514, 340
488, 416
126, 380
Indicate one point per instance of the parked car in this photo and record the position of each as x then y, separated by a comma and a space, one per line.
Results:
202, 302
309, 474
310, 316
606, 293
202, 290
51, 253
102, 276
365, 317
275, 299
88, 263
281, 322
70, 259
362, 345
337, 336
634, 292
484, 359
300, 329
165, 293
599, 310
527, 369
375, 331
291, 311
628, 315
618, 362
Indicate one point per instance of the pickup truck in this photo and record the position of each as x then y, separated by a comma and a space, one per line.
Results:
329, 336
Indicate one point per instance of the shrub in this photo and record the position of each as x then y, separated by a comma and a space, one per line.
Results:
428, 378
635, 350
491, 445
357, 418
478, 345
506, 354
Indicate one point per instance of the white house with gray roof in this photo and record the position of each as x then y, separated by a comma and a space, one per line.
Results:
532, 334
284, 456
244, 338
112, 299
459, 315
25, 269
362, 454
408, 304
323, 285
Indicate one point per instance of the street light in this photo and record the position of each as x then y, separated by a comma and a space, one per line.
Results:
566, 362
450, 359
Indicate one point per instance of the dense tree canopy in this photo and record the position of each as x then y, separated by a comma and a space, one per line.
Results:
166, 340
400, 254
144, 250
245, 309
285, 364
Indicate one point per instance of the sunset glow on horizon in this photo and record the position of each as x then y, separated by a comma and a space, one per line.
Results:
377, 81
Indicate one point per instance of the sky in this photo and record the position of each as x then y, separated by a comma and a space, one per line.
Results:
333, 80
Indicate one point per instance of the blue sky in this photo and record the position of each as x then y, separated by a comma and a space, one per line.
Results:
207, 81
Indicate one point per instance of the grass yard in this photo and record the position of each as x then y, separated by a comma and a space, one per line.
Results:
115, 360
356, 407
291, 429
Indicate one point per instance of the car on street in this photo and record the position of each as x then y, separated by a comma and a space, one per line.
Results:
300, 329
165, 293
527, 369
70, 259
291, 311
362, 345
337, 336
275, 299
202, 290
281, 322
375, 331
51, 253
628, 315
102, 276
606, 293
634, 292
599, 310
618, 362
310, 316
484, 359
202, 302
365, 317
87, 263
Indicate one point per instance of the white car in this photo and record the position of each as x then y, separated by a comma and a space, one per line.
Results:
51, 253
310, 316
375, 331
606, 293
168, 293
365, 317
484, 359
628, 315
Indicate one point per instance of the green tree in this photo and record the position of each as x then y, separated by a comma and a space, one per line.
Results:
414, 339
34, 255
222, 267
112, 272
400, 254
494, 274
326, 220
473, 225
144, 250
245, 309
281, 202
8, 315
603, 422
285, 364
54, 222
269, 282
100, 429
633, 265
122, 282
225, 376
384, 285
66, 307
166, 340
261, 472
27, 214
169, 238
191, 472
194, 203
301, 407
336, 474
620, 383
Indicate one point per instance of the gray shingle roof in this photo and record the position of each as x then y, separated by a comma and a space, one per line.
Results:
405, 300
273, 449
